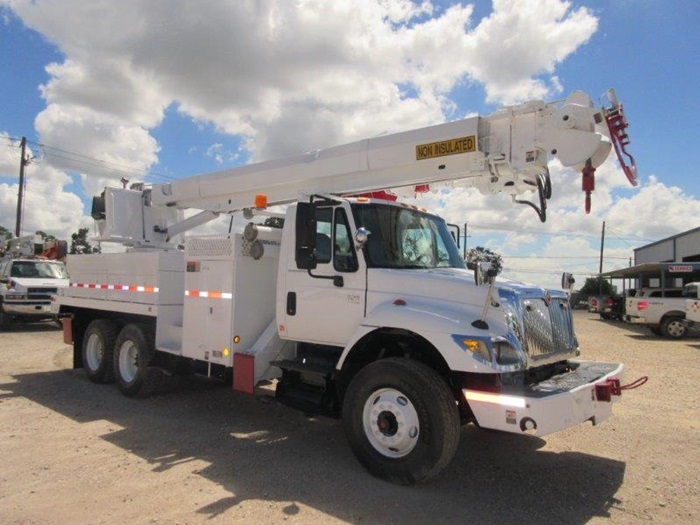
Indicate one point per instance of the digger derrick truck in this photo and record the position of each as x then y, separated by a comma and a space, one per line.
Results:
357, 305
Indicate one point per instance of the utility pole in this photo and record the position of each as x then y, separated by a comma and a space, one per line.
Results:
600, 265
23, 161
464, 254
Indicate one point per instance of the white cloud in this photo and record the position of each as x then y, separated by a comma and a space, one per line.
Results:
220, 154
295, 76
48, 206
521, 40
289, 76
109, 148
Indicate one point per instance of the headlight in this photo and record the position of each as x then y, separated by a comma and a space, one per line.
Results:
17, 296
505, 354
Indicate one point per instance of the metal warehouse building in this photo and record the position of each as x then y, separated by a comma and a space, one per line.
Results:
683, 247
670, 262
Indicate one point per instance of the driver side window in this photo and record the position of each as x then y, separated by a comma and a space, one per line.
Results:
344, 256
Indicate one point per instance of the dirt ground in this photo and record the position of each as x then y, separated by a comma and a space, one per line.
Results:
75, 452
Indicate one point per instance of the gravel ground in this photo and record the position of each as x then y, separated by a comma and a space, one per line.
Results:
75, 452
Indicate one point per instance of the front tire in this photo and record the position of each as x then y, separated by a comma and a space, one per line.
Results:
133, 352
98, 350
673, 327
401, 420
5, 318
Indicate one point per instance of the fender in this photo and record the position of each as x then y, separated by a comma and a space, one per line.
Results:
436, 322
672, 313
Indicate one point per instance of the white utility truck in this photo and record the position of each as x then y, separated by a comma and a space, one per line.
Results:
663, 311
358, 306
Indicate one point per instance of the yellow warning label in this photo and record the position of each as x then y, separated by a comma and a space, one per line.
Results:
446, 147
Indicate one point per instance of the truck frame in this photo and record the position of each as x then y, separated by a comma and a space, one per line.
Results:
358, 306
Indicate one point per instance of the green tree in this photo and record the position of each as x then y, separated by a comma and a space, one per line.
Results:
4, 232
80, 244
481, 254
46, 237
596, 286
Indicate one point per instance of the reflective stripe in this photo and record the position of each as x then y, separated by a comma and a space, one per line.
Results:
208, 294
117, 287
498, 399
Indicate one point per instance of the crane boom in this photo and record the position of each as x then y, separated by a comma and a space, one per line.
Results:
506, 151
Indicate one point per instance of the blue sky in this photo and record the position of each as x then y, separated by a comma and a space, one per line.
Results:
152, 103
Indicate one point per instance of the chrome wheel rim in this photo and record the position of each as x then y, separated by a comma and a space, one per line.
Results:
94, 352
391, 423
128, 361
675, 328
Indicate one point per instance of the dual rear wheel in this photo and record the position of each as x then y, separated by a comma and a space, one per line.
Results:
122, 354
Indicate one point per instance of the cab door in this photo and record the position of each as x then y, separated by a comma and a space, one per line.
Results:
326, 305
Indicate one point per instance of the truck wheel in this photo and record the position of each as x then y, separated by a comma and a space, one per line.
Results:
133, 352
401, 420
673, 327
5, 319
98, 350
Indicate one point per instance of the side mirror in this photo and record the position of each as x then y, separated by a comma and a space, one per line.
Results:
305, 248
361, 236
567, 281
484, 272
456, 234
98, 207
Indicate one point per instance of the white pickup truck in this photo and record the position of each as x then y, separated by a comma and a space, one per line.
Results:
663, 311
692, 313
26, 287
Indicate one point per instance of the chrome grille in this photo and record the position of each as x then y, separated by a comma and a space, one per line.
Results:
548, 329
41, 293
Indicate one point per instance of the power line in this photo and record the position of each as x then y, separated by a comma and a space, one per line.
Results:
88, 161
114, 166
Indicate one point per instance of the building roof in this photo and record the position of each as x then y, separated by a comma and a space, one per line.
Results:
672, 237
655, 269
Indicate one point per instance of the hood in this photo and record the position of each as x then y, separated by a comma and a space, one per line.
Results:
23, 283
449, 284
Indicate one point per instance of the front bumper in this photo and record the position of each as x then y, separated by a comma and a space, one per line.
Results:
28, 309
561, 402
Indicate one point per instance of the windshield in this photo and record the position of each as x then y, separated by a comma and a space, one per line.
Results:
38, 269
406, 238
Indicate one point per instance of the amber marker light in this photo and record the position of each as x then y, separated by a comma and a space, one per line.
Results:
261, 201
236, 339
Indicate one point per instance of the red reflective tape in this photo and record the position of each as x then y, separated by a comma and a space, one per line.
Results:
117, 287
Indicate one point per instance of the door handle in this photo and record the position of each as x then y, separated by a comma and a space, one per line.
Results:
291, 303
